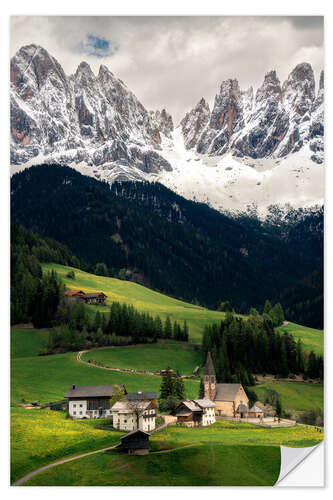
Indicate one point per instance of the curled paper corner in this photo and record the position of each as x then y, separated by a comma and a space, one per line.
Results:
291, 458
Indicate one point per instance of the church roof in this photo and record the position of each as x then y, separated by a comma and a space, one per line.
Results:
226, 392
205, 403
209, 366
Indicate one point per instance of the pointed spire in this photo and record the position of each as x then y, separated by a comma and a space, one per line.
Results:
209, 366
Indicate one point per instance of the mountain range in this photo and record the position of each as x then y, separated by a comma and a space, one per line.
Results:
253, 147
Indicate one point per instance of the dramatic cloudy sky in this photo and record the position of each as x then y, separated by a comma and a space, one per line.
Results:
172, 62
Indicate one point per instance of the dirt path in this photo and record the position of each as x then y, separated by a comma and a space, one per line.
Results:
59, 462
127, 370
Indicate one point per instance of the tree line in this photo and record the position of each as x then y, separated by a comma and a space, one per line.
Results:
76, 328
243, 347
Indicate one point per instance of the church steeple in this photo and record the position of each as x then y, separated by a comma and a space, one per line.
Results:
209, 378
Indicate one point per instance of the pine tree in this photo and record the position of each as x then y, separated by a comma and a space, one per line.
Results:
201, 394
167, 385
267, 307
179, 388
168, 328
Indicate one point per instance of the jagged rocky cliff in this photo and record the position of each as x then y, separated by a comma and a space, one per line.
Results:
82, 118
278, 120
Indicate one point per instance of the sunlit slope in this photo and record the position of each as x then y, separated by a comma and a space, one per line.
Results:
140, 297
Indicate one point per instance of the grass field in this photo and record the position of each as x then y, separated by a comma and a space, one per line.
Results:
26, 342
40, 437
156, 303
149, 357
225, 453
140, 297
312, 339
46, 378
209, 465
298, 396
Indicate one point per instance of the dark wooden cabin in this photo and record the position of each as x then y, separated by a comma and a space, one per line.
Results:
135, 443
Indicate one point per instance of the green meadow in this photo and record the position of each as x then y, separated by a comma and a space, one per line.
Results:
224, 454
298, 396
312, 339
140, 297
47, 378
179, 356
26, 342
156, 303
40, 437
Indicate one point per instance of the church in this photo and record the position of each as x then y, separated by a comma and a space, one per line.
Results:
230, 399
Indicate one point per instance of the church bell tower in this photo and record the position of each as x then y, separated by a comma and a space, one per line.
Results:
209, 378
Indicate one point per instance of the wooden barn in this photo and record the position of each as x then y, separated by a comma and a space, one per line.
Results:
98, 298
95, 298
135, 443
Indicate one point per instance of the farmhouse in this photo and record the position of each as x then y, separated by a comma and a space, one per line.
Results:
90, 401
230, 399
135, 443
196, 412
89, 298
74, 295
137, 412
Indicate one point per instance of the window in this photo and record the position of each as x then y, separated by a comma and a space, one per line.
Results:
74, 412
206, 378
74, 405
80, 412
212, 379
80, 406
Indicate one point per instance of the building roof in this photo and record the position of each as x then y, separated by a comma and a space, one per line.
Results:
256, 409
94, 295
205, 403
90, 391
226, 392
242, 408
125, 406
137, 431
209, 366
72, 293
132, 396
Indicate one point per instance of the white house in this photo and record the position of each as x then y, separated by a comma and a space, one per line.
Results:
137, 412
90, 401
196, 412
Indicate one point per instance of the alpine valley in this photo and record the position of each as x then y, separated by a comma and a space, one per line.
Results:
254, 147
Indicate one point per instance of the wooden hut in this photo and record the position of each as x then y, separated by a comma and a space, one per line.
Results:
135, 443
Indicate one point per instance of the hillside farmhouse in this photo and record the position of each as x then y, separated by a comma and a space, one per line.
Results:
90, 401
196, 412
137, 412
230, 399
135, 443
97, 298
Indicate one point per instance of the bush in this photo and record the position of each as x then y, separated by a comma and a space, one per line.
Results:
71, 275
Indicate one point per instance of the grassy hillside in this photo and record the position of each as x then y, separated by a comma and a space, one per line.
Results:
209, 465
46, 378
39, 437
26, 342
228, 453
140, 297
298, 396
312, 339
151, 357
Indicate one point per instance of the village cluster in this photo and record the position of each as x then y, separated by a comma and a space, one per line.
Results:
136, 413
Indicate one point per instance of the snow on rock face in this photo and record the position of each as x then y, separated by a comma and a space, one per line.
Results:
194, 123
81, 118
163, 122
278, 121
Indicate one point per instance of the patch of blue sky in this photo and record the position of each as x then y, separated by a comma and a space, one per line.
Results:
97, 46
